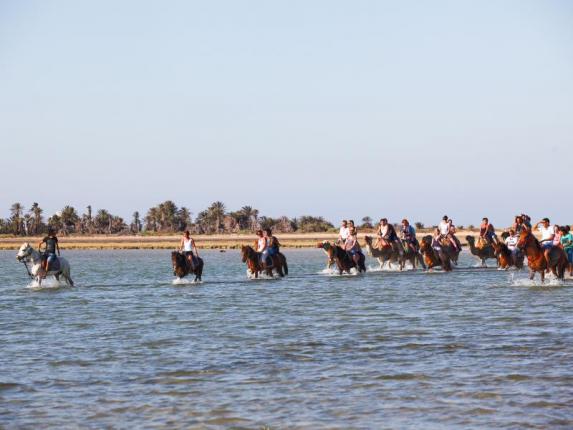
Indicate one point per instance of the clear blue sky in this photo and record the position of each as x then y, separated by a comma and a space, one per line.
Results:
340, 109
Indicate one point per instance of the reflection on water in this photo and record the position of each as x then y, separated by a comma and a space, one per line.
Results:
127, 348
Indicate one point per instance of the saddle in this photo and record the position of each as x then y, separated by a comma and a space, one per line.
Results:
481, 243
445, 242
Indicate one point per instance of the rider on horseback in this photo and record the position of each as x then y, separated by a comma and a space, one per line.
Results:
511, 243
344, 232
387, 236
263, 248
408, 236
273, 244
447, 231
519, 225
352, 247
49, 255
547, 235
187, 246
567, 244
437, 239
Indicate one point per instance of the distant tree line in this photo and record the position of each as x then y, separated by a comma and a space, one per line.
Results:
166, 217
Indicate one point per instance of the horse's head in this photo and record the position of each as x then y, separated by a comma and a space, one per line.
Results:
524, 238
178, 262
244, 253
24, 252
328, 248
470, 239
426, 243
368, 240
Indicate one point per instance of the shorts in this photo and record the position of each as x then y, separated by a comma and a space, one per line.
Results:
569, 252
546, 245
50, 257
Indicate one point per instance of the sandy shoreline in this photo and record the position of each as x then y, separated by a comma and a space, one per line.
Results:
223, 241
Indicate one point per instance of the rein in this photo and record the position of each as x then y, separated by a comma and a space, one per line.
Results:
27, 269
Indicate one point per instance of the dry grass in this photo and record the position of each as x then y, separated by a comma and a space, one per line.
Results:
224, 241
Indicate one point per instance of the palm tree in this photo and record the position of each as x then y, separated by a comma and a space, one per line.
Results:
102, 221
248, 218
366, 222
55, 222
136, 223
36, 212
151, 219
27, 223
69, 219
217, 213
183, 218
16, 217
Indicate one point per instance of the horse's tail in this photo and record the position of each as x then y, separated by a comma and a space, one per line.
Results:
66, 271
285, 265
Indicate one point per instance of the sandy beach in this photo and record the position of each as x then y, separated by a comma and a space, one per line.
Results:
223, 241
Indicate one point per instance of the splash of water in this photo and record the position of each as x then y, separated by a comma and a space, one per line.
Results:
388, 267
48, 283
185, 281
550, 281
333, 271
262, 275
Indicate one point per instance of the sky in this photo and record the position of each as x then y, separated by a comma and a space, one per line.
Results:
343, 109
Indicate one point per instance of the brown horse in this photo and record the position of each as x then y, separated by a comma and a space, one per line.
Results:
483, 253
253, 260
536, 258
434, 258
342, 259
182, 268
506, 258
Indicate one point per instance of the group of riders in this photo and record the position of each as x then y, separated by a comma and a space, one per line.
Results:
404, 240
267, 246
400, 241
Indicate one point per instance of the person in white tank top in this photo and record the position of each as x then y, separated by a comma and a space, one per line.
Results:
187, 246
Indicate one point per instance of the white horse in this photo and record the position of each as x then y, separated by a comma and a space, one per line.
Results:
27, 254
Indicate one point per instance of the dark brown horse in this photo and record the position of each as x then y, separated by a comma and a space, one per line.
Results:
342, 259
253, 260
506, 258
536, 258
182, 268
434, 258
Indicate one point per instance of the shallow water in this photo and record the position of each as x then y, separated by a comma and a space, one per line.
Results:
127, 348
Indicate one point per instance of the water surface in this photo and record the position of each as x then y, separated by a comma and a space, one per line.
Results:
128, 349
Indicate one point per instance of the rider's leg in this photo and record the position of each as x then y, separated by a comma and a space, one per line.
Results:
458, 243
547, 257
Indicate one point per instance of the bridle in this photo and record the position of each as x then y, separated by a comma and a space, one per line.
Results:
24, 259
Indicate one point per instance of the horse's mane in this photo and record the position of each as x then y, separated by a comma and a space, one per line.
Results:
249, 251
179, 258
